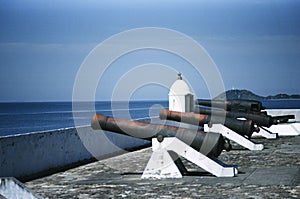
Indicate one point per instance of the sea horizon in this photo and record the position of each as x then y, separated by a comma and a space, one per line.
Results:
30, 117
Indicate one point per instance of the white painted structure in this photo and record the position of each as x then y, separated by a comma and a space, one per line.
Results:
162, 165
181, 97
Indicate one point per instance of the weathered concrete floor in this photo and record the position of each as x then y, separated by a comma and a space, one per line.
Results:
271, 173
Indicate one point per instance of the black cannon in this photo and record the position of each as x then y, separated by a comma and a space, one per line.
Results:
210, 144
238, 108
236, 105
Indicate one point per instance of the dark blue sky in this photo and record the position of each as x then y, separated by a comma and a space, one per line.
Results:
255, 44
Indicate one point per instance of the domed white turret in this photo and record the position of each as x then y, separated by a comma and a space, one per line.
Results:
181, 97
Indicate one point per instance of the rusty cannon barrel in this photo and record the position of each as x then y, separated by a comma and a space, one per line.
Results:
259, 118
242, 127
210, 144
233, 105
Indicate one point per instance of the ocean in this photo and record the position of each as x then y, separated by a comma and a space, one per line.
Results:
28, 117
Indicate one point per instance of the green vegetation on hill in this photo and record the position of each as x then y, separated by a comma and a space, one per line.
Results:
245, 94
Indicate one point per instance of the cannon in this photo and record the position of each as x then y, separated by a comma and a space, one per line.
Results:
209, 144
259, 118
236, 105
242, 127
249, 109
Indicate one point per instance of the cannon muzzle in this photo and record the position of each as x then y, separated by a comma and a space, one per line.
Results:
242, 127
210, 144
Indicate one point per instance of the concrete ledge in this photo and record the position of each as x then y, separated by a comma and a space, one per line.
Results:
33, 155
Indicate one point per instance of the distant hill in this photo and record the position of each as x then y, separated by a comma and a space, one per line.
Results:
245, 94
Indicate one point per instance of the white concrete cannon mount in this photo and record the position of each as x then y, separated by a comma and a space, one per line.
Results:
162, 165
